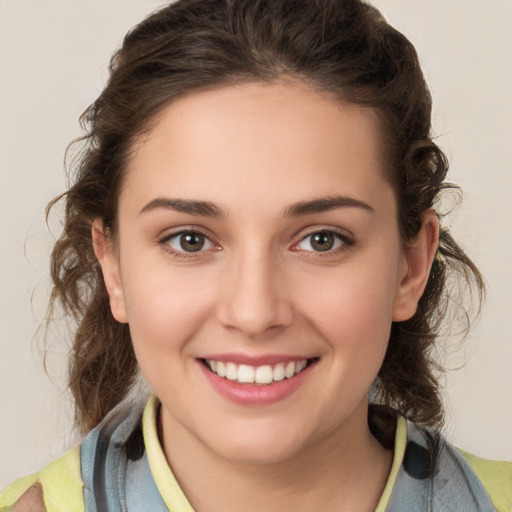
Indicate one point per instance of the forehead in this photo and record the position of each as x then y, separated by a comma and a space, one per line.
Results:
278, 141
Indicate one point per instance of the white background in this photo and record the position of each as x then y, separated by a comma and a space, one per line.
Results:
53, 57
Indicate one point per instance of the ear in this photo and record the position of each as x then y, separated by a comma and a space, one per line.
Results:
419, 257
106, 254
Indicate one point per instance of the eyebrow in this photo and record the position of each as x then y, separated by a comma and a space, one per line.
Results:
325, 204
302, 208
201, 208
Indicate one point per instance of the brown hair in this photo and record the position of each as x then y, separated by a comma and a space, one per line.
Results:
344, 47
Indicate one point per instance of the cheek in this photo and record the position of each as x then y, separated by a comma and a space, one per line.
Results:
165, 308
352, 308
164, 315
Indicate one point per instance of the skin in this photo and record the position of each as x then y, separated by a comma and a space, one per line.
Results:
260, 288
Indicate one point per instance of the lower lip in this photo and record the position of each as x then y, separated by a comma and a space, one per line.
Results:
252, 394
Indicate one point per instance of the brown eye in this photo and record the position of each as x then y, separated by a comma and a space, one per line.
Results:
322, 241
189, 241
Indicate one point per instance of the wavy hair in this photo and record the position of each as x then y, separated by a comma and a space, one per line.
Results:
344, 47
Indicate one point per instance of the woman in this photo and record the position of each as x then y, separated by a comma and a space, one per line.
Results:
252, 225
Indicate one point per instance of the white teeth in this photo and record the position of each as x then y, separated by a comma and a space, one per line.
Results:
221, 369
299, 366
231, 371
279, 372
245, 373
262, 375
289, 371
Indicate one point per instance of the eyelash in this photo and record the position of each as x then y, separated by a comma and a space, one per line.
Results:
164, 243
344, 242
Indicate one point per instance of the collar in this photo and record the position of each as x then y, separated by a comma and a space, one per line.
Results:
172, 494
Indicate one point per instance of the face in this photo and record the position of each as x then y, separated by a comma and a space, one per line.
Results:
259, 267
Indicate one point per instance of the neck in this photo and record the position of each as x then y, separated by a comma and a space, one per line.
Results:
344, 471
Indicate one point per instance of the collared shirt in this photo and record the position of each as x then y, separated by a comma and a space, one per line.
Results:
120, 466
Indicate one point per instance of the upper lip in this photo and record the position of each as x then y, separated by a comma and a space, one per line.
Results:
251, 360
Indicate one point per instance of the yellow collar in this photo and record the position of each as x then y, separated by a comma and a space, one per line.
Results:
171, 492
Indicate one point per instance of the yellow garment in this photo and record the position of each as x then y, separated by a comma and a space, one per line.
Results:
165, 482
496, 476
398, 457
62, 484
171, 492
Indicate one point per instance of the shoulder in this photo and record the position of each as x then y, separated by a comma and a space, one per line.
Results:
56, 488
496, 476
65, 484
30, 501
486, 481
430, 473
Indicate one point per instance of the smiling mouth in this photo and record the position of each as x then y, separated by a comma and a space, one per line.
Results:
263, 375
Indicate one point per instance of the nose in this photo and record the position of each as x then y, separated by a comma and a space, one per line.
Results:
255, 299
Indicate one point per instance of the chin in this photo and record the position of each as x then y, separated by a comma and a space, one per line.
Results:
257, 455
258, 445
